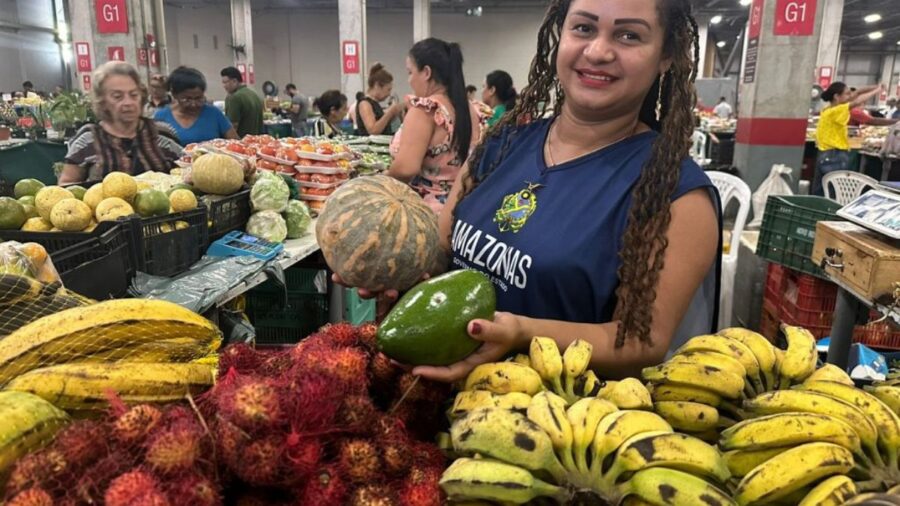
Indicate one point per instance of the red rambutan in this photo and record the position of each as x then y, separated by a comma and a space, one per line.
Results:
275, 363
36, 470
82, 442
360, 460
261, 461
326, 487
254, 404
356, 413
174, 448
383, 370
133, 426
368, 335
98, 476
397, 457
428, 455
304, 455
341, 335
134, 488
424, 493
229, 441
389, 428
240, 357
195, 490
31, 497
314, 402
373, 495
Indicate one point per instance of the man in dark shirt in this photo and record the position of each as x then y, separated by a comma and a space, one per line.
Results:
299, 110
242, 106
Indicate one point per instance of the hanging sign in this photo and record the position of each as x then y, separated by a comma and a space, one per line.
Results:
86, 82
795, 18
826, 76
242, 68
350, 56
142, 56
115, 53
251, 76
112, 16
83, 57
154, 57
752, 55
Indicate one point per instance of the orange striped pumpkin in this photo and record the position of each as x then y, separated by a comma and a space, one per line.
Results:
377, 233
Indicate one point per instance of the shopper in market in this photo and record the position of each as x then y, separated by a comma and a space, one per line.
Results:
832, 138
333, 107
499, 93
441, 126
123, 140
159, 95
613, 233
242, 105
371, 118
471, 90
723, 109
189, 113
299, 111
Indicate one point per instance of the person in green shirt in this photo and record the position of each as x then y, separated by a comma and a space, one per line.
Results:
499, 93
242, 106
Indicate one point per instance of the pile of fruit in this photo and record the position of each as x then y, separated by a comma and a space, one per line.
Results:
330, 421
729, 419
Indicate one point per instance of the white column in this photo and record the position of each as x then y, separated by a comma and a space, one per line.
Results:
242, 30
888, 71
703, 36
352, 28
830, 36
421, 19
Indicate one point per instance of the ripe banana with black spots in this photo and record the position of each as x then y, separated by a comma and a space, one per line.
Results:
629, 393
741, 462
830, 372
890, 396
792, 470
713, 358
548, 411
503, 378
585, 385
783, 401
884, 418
688, 416
668, 449
789, 429
670, 487
727, 346
615, 428
830, 492
493, 480
473, 399
801, 356
577, 358
724, 383
762, 349
546, 360
684, 393
508, 436
585, 416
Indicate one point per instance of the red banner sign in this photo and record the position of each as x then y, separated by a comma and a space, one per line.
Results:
826, 76
242, 68
142, 56
350, 56
795, 18
86, 82
112, 16
756, 16
83, 61
154, 57
115, 53
250, 74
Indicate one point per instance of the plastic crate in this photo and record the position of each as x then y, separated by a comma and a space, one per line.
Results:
768, 324
818, 331
227, 214
774, 282
808, 301
284, 321
789, 230
358, 310
171, 244
101, 266
877, 335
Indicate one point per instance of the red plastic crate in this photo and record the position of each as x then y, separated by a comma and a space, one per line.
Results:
819, 331
877, 335
808, 302
775, 282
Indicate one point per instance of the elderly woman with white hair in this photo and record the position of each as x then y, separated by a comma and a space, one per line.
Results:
122, 140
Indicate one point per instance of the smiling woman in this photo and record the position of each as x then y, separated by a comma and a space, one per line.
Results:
122, 141
593, 223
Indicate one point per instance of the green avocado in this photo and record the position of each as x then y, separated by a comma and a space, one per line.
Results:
428, 324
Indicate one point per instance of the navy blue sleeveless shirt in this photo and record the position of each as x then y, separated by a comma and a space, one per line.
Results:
553, 252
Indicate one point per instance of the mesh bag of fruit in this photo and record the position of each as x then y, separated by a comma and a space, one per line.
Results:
30, 287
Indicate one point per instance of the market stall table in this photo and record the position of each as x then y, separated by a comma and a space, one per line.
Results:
865, 157
278, 129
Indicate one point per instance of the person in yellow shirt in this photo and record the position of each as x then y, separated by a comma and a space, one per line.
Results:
832, 138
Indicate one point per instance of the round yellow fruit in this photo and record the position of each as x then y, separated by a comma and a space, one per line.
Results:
112, 209
143, 185
36, 225
47, 197
121, 185
183, 200
71, 215
93, 196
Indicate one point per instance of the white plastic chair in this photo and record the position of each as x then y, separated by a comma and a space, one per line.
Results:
843, 186
730, 187
698, 148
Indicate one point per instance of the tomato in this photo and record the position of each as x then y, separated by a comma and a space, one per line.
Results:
250, 150
303, 177
268, 150
235, 148
286, 169
325, 149
320, 192
307, 148
266, 165
322, 178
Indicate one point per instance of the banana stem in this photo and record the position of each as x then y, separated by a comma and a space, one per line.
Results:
557, 387
876, 456
869, 486
565, 455
581, 460
731, 409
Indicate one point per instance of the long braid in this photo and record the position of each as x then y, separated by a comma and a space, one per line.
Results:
645, 240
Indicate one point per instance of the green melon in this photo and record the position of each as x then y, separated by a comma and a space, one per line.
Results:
148, 203
12, 214
27, 187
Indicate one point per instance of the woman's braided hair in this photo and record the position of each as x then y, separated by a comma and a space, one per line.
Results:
645, 240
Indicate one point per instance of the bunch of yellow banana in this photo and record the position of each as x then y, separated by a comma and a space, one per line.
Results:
565, 374
134, 330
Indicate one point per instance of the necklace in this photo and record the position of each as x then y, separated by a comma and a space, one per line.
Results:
550, 147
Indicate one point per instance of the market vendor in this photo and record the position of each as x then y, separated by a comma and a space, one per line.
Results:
333, 106
617, 231
189, 113
441, 126
371, 118
832, 139
123, 140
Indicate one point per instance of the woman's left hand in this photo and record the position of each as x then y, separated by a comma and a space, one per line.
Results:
498, 337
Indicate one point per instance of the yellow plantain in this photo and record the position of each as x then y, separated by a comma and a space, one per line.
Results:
473, 399
830, 492
714, 379
801, 356
685, 393
762, 349
629, 393
548, 411
488, 479
890, 396
577, 358
830, 372
789, 429
741, 462
727, 346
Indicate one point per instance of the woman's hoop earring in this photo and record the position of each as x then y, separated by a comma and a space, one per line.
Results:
659, 104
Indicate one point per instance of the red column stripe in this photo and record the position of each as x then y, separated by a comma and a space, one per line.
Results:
771, 131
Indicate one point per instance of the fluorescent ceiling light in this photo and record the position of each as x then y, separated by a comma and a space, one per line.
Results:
716, 20
876, 35
746, 2
872, 18
721, 43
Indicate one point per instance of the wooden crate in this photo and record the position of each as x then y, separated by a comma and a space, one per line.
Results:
871, 261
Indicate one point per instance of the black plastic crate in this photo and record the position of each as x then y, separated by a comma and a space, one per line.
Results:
285, 315
100, 266
788, 230
227, 214
55, 241
171, 244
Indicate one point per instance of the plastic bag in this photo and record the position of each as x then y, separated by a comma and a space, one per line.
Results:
29, 259
775, 184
